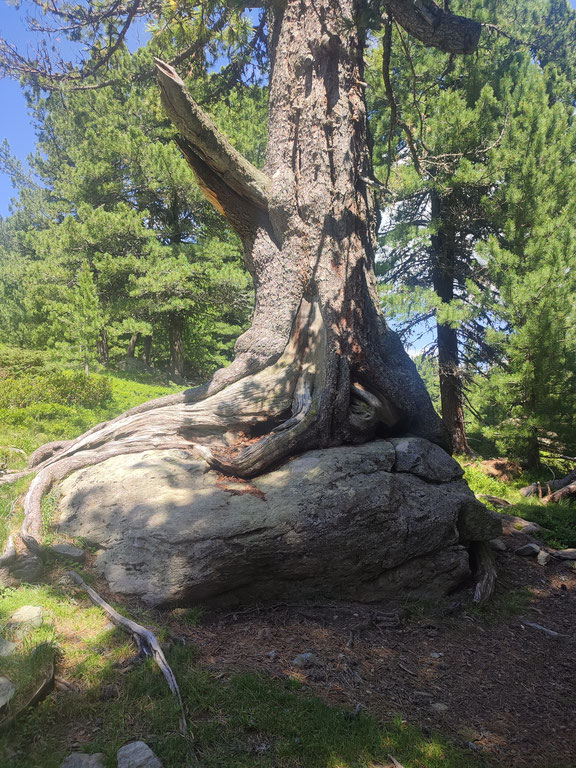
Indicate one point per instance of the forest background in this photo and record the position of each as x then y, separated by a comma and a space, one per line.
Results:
112, 261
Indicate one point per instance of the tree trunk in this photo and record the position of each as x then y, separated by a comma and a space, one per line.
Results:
176, 336
102, 347
533, 450
308, 225
444, 260
132, 345
148, 350
319, 366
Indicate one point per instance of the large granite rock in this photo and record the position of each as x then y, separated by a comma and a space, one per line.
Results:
363, 523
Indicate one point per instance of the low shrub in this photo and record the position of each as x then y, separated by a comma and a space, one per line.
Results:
16, 362
72, 388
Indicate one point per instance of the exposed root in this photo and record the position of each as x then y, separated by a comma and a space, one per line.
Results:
146, 641
485, 571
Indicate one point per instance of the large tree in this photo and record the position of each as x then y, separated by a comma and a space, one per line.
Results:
319, 365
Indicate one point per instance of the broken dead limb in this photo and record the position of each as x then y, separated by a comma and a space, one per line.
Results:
552, 485
550, 632
146, 641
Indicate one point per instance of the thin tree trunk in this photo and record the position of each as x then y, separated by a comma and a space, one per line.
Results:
176, 337
444, 259
533, 450
102, 347
147, 349
132, 345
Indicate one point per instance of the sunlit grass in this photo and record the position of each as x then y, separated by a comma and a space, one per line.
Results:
237, 721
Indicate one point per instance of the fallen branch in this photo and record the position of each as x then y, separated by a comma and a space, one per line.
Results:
564, 493
549, 632
146, 641
553, 485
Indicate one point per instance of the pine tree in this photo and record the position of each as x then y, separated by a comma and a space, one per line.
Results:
437, 162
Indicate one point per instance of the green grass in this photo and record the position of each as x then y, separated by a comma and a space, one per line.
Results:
239, 721
24, 429
557, 520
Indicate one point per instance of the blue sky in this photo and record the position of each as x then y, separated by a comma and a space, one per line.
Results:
15, 124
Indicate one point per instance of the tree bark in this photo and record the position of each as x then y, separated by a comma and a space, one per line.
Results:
148, 350
132, 345
444, 260
319, 366
102, 347
176, 338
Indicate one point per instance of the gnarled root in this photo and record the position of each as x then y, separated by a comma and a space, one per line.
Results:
306, 399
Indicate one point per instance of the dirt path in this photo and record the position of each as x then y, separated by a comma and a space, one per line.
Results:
503, 689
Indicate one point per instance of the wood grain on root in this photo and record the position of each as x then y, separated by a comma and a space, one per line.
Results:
485, 571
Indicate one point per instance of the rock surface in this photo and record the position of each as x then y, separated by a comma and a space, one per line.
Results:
7, 690
528, 550
365, 522
68, 552
7, 647
137, 754
24, 620
566, 554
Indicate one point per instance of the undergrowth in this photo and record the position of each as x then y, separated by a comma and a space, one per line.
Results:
237, 720
558, 521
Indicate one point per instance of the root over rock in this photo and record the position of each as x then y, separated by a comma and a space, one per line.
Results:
391, 518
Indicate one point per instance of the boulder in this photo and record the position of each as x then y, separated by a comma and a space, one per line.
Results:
528, 550
24, 620
137, 754
351, 522
7, 690
7, 647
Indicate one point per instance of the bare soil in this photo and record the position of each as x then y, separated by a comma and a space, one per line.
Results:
484, 678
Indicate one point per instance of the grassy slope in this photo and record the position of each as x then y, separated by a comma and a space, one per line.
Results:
244, 720
237, 721
27, 428
557, 520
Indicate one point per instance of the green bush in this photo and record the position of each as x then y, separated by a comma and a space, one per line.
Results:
17, 362
72, 388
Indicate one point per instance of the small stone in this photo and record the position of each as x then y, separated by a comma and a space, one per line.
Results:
7, 648
109, 692
69, 552
543, 557
25, 619
272, 655
7, 690
497, 545
82, 760
137, 755
528, 550
436, 655
28, 568
437, 706
304, 660
566, 554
